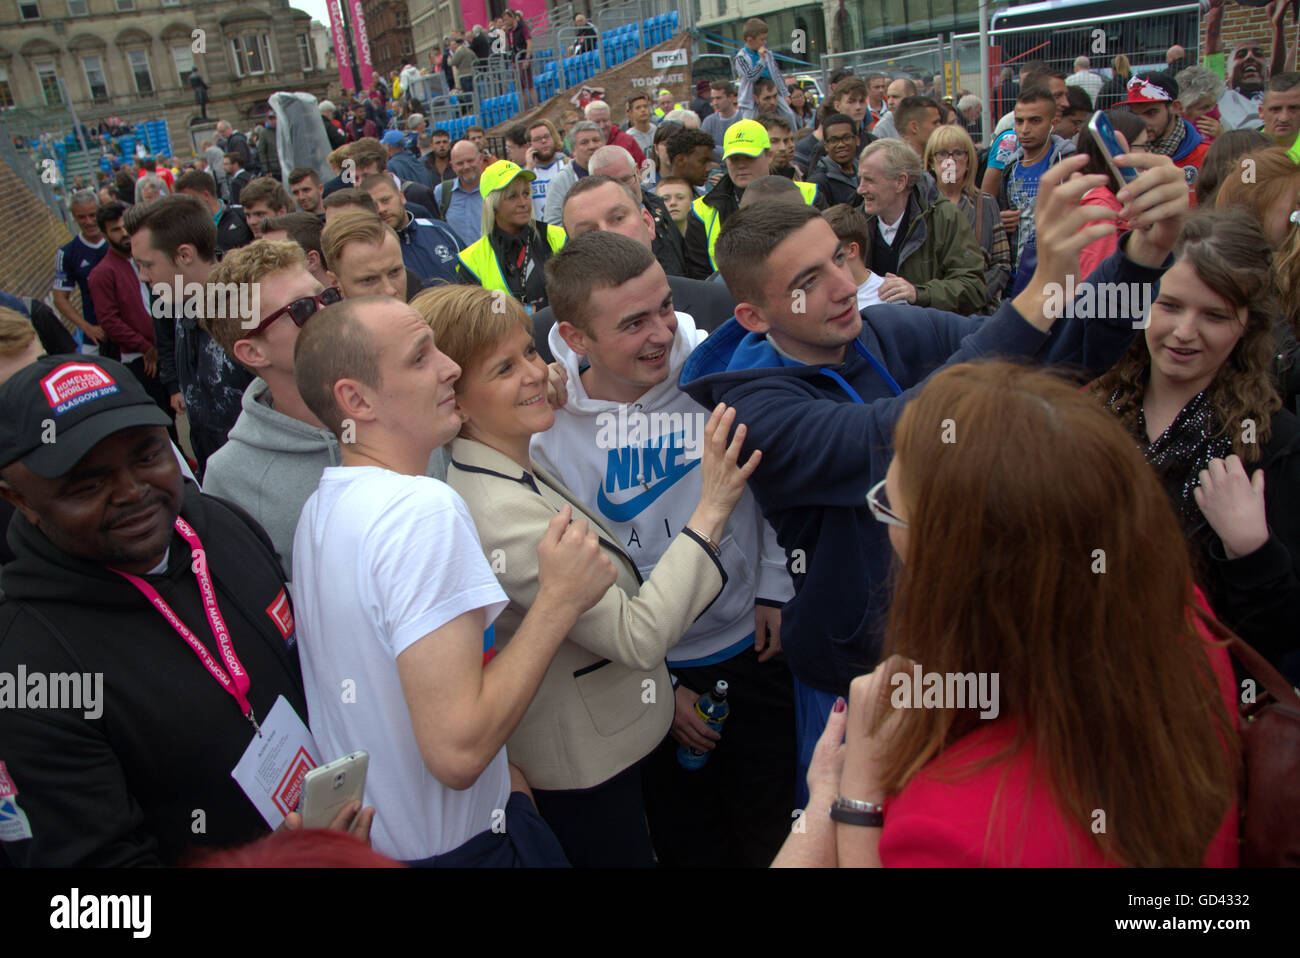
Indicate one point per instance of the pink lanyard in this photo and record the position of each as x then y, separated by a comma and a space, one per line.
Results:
236, 682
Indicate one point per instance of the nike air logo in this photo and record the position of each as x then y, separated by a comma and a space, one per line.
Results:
632, 466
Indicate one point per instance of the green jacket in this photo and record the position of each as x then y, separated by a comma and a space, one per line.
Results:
939, 256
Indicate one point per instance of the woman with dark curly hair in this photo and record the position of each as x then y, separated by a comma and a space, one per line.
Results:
1196, 392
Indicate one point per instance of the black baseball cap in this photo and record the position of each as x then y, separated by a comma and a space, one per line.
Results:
57, 409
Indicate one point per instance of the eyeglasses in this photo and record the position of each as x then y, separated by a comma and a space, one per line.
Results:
301, 310
950, 154
846, 138
879, 507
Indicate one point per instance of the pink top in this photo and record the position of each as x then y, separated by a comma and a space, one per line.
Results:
952, 823
1092, 255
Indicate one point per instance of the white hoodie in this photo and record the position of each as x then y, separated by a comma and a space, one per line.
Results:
636, 466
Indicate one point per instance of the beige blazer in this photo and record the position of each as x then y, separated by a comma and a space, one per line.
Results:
606, 700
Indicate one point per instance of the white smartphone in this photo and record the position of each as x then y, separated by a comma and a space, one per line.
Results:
327, 788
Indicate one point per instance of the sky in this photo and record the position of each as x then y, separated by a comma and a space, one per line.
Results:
316, 8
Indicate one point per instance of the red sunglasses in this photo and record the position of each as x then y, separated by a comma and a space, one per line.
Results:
301, 310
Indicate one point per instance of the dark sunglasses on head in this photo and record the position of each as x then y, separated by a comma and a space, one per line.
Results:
301, 310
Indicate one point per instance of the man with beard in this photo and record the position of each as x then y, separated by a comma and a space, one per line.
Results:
106, 583
119, 296
1153, 98
436, 154
547, 161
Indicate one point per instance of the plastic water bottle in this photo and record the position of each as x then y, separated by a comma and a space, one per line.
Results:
712, 709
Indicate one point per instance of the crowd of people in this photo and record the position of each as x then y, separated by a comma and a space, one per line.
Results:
495, 467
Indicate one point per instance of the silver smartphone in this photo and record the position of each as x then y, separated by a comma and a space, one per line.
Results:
327, 788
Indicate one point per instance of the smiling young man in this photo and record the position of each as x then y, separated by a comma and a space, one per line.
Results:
820, 385
623, 345
396, 595
105, 536
836, 173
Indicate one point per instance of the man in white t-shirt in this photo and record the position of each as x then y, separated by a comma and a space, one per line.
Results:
395, 601
546, 161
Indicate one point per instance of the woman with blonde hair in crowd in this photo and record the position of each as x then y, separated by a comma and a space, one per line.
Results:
1096, 722
514, 247
581, 742
1195, 392
951, 159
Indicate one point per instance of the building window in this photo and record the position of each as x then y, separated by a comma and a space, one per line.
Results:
29, 9
124, 5
266, 53
248, 56
77, 8
49, 77
304, 51
93, 67
171, 3
6, 94
139, 61
183, 57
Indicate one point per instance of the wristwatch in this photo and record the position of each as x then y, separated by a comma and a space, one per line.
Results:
850, 811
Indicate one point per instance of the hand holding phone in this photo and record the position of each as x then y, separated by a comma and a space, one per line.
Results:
1103, 133
328, 788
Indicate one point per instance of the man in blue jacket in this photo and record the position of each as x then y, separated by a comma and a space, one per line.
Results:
819, 387
429, 247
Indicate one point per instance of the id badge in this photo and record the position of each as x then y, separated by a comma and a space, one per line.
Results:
272, 767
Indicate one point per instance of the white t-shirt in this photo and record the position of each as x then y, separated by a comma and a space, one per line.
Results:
380, 560
869, 292
544, 175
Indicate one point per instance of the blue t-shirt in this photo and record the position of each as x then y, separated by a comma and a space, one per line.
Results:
1022, 193
72, 265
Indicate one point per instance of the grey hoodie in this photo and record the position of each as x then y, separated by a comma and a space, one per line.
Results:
272, 463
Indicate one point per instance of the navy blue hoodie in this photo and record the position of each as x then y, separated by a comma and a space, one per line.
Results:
827, 433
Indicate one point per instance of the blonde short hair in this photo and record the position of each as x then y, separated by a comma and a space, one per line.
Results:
492, 203
949, 137
249, 264
469, 321
351, 226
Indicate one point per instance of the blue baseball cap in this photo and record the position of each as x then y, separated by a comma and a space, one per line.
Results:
393, 138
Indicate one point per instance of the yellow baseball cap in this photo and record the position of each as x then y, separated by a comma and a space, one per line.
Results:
500, 175
746, 136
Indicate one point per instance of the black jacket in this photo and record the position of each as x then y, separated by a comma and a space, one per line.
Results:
209, 380
233, 230
669, 245
833, 183
235, 185
1258, 595
709, 304
126, 788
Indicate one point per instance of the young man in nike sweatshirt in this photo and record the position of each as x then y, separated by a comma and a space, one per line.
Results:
820, 385
277, 450
627, 443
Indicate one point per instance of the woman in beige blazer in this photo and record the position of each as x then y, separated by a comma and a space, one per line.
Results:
606, 700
